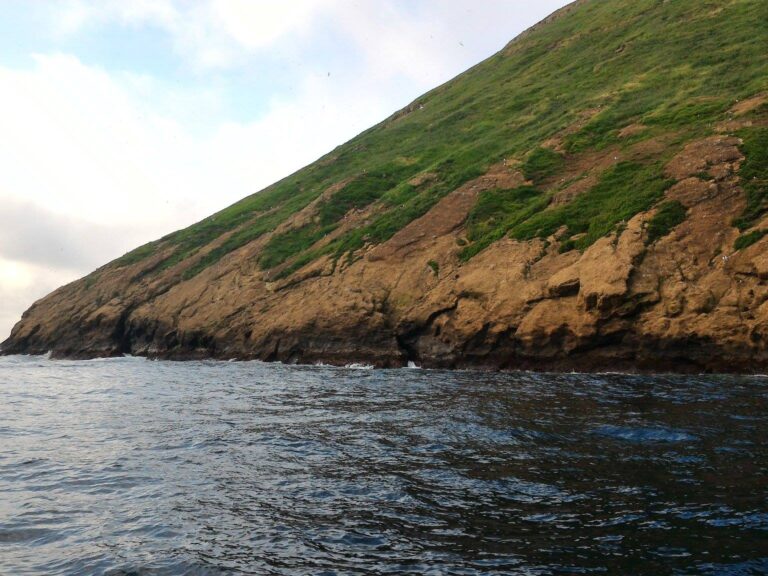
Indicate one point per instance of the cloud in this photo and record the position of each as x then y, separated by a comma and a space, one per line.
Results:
424, 40
31, 234
71, 16
20, 286
211, 34
255, 25
86, 143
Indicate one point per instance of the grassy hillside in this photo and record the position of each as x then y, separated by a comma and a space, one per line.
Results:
602, 75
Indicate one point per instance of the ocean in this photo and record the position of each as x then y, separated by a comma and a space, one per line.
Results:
135, 467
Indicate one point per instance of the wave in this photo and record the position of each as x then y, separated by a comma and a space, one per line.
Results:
358, 366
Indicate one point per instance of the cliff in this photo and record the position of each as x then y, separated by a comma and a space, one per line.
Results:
592, 197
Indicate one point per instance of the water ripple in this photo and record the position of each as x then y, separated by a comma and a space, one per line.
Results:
130, 467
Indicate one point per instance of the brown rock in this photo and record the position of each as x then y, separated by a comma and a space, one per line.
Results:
686, 302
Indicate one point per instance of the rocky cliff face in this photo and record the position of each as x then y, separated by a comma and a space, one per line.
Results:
677, 282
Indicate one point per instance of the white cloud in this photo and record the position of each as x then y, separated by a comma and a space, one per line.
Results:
210, 34
30, 233
255, 25
14, 275
431, 41
76, 142
86, 143
71, 16
21, 285
420, 40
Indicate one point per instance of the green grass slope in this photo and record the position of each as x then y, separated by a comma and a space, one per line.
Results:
672, 67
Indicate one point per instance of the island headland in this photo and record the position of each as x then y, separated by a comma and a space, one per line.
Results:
592, 197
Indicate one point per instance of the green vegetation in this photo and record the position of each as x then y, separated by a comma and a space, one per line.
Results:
496, 212
622, 192
383, 227
668, 215
362, 191
282, 246
358, 194
541, 164
746, 240
754, 176
136, 255
674, 67
681, 114
434, 266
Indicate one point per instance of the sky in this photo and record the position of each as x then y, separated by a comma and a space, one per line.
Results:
124, 120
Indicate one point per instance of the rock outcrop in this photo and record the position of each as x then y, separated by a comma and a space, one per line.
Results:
683, 303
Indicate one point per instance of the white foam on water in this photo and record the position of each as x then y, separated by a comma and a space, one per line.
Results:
357, 366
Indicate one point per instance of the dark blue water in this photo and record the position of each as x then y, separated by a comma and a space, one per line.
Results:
130, 467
